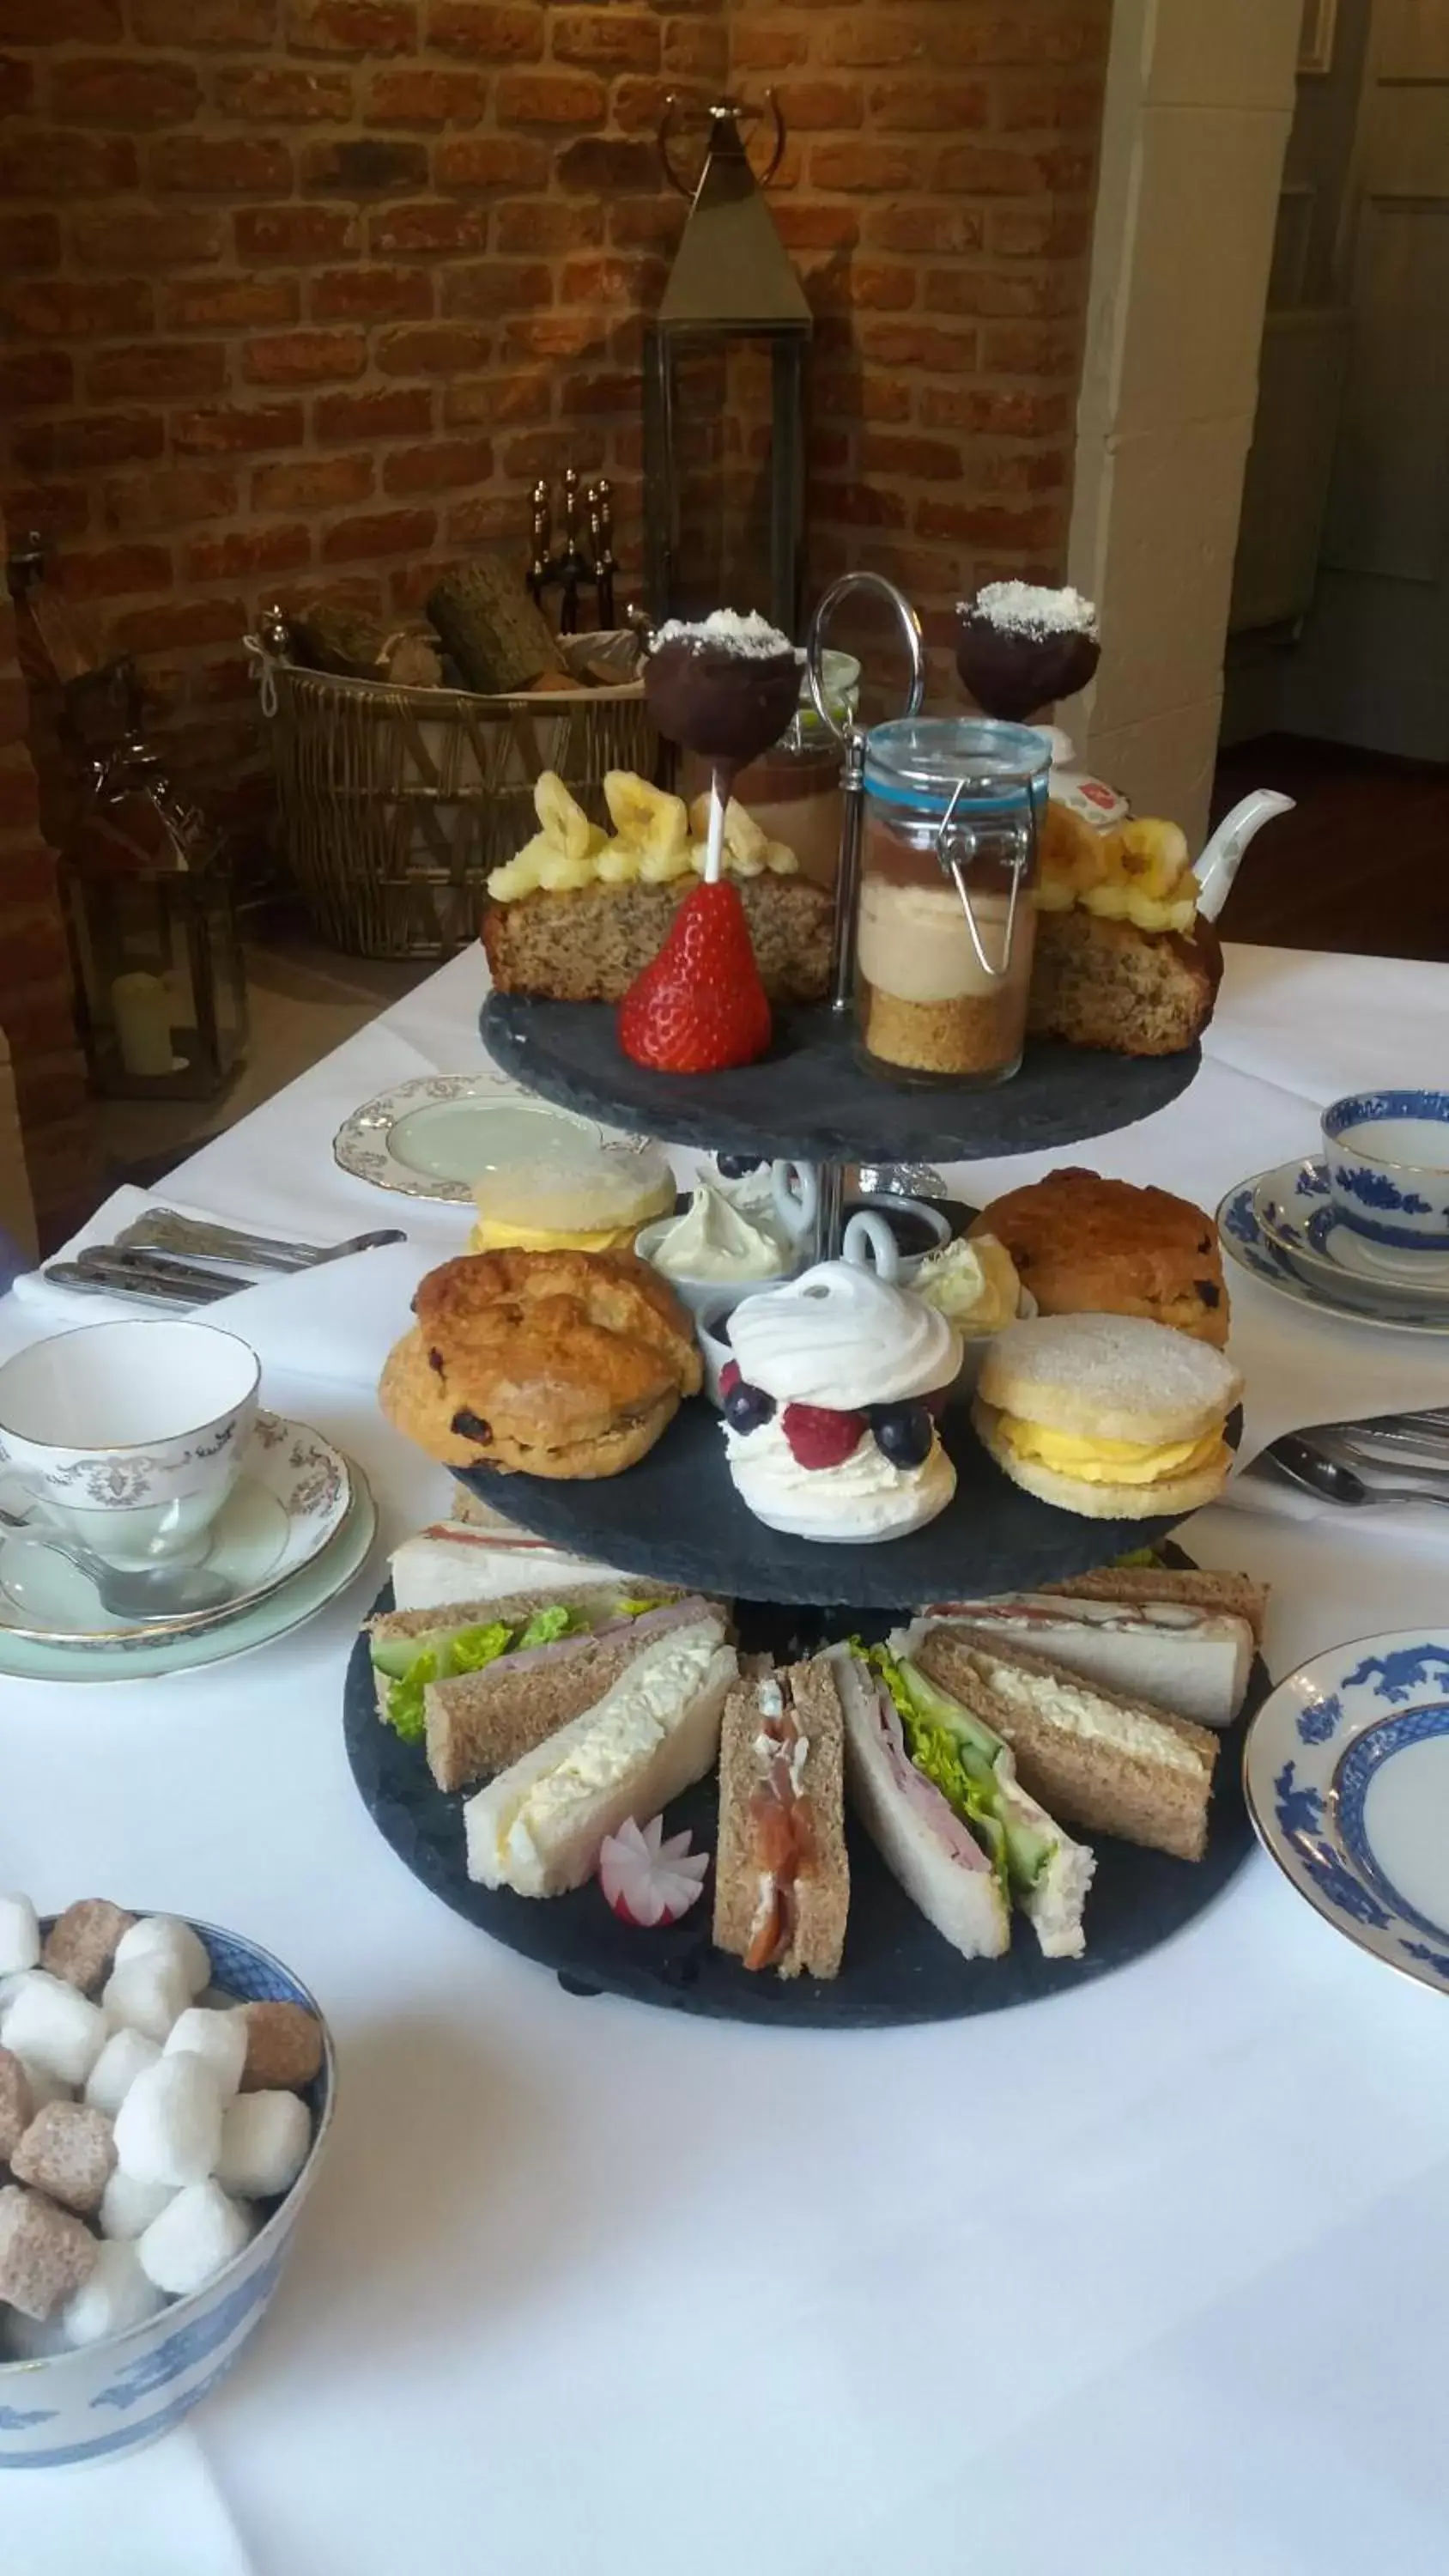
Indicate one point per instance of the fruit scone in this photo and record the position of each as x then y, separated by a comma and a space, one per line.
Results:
578, 914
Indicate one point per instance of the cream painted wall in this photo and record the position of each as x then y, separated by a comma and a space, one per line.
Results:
1199, 101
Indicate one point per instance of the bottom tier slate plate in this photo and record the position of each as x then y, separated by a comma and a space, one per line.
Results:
896, 1968
676, 1516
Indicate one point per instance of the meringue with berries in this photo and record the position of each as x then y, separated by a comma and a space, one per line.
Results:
829, 1404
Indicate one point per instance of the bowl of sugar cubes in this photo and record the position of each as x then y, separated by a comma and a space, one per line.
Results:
165, 2091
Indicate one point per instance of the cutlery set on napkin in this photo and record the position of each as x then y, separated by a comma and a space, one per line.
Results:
166, 1259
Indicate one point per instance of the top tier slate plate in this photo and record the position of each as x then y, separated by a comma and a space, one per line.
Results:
810, 1099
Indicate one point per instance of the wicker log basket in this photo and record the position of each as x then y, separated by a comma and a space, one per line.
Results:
396, 802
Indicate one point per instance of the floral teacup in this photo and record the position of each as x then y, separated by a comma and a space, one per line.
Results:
130, 1436
1387, 1164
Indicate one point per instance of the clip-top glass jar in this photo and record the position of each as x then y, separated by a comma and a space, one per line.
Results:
946, 924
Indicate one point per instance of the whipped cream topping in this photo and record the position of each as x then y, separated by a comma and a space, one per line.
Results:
864, 1499
730, 632
714, 1240
839, 1336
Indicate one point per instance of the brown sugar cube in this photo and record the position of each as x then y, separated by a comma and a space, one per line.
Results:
16, 2103
81, 1942
45, 2253
67, 2152
284, 2048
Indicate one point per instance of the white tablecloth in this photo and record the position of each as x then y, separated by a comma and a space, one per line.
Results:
1146, 2277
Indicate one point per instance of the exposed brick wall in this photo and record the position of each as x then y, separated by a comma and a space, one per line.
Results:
35, 986
306, 292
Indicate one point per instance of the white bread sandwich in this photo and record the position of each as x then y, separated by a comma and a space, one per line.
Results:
484, 1681
1198, 1587
1115, 1765
1194, 1662
538, 1827
782, 1879
468, 1559
937, 1791
1108, 1415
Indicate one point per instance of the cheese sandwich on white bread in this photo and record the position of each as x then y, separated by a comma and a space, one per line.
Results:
449, 1563
1115, 1765
782, 1879
1107, 1415
537, 1828
937, 1792
1196, 1587
1194, 1663
484, 1681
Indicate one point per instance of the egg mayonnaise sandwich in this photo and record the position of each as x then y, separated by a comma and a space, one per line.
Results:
1108, 1415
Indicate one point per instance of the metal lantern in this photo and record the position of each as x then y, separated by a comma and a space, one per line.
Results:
724, 396
161, 984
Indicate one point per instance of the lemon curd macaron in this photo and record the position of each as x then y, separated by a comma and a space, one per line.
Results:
1108, 1415
577, 1195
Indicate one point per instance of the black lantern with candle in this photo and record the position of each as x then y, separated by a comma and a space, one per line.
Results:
724, 396
150, 904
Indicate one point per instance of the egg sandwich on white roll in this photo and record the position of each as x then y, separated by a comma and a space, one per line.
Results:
537, 1828
938, 1793
1108, 1415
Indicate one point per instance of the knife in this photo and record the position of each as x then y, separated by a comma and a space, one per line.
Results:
95, 1276
192, 1239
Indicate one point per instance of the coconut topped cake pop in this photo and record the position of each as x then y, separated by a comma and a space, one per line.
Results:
724, 689
1019, 647
829, 1406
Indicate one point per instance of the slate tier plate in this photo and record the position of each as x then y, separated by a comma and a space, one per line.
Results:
677, 1517
895, 1969
809, 1097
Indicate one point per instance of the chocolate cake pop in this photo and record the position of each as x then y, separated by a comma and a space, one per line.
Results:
725, 689
1018, 648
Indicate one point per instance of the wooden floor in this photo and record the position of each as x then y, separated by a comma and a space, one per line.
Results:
1363, 861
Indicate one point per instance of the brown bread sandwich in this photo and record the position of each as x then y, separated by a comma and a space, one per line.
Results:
782, 1879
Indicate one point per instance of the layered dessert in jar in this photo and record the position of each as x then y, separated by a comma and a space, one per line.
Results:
945, 926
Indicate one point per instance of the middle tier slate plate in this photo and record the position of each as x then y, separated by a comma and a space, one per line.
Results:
896, 1968
676, 1516
811, 1099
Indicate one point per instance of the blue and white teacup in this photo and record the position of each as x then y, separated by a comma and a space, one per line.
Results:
130, 1436
1387, 1162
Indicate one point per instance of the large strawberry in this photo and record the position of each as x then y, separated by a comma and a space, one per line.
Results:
700, 1006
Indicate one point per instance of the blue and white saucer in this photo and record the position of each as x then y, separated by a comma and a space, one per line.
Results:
1270, 1225
1294, 1207
1346, 1772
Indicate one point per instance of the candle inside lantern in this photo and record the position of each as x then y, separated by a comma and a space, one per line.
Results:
143, 1024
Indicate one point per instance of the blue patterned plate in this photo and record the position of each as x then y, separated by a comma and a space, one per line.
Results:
1339, 1293
1346, 1774
1293, 1208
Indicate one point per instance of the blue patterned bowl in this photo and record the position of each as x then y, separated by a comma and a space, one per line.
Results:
1388, 1167
110, 2397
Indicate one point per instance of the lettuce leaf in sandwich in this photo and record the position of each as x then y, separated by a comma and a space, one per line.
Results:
1035, 1862
444, 1655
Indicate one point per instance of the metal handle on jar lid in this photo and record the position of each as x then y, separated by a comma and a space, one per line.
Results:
851, 737
955, 862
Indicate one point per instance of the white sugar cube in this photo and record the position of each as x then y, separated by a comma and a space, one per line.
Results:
51, 2026
116, 2296
168, 2129
219, 2037
127, 2054
264, 2143
128, 2207
191, 2241
165, 1936
148, 1994
19, 1934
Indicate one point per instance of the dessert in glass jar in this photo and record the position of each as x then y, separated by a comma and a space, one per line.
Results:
945, 924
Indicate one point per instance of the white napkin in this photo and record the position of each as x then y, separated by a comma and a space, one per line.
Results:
335, 1324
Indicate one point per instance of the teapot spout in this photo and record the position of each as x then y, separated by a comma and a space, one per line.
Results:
1220, 861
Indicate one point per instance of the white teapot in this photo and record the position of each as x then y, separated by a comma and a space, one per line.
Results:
1102, 806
